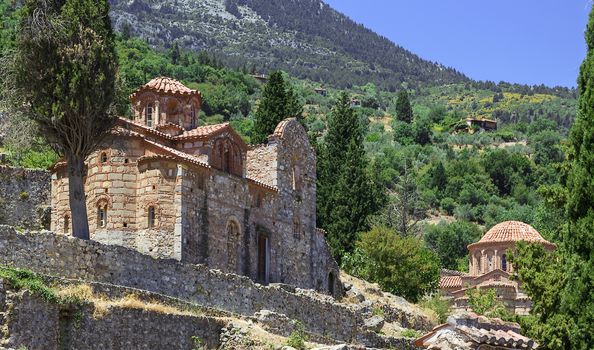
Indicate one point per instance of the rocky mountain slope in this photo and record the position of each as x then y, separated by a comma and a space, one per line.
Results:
307, 38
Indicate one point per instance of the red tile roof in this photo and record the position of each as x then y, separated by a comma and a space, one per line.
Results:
450, 282
280, 128
203, 131
512, 231
168, 86
469, 330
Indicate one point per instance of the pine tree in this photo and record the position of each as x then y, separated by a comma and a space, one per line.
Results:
345, 194
278, 103
404, 110
175, 53
63, 76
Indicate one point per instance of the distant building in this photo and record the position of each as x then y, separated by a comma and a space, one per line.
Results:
321, 91
164, 186
355, 103
485, 124
490, 269
261, 78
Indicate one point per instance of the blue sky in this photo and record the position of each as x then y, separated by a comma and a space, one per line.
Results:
520, 41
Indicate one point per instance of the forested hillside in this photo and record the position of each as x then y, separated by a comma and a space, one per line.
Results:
305, 37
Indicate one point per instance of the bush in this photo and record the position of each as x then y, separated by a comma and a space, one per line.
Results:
438, 304
484, 302
448, 205
400, 265
298, 337
449, 241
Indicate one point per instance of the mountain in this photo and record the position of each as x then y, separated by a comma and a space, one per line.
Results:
306, 38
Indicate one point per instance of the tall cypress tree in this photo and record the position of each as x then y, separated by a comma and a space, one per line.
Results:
561, 284
404, 110
63, 76
278, 102
345, 194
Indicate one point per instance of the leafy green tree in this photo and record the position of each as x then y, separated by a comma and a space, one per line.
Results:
63, 76
439, 178
344, 196
404, 110
422, 130
449, 241
401, 265
485, 302
278, 102
505, 168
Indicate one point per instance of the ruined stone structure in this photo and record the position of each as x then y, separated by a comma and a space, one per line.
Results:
166, 187
490, 269
25, 197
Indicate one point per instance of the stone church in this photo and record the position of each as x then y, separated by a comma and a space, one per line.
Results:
490, 268
164, 186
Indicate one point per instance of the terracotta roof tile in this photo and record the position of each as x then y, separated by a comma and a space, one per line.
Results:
450, 282
203, 131
280, 128
166, 85
511, 231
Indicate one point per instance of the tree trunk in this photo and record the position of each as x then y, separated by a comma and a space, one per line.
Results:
78, 204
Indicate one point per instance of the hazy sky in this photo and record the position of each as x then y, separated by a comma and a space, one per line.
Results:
523, 41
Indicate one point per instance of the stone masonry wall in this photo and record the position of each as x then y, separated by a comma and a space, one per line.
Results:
24, 197
67, 257
38, 325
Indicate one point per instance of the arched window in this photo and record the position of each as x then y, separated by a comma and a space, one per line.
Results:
151, 216
193, 117
226, 160
296, 227
66, 224
331, 282
504, 262
296, 178
103, 157
478, 264
232, 244
490, 262
102, 215
149, 115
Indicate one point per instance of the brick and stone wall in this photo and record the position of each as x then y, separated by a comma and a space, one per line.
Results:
24, 197
68, 257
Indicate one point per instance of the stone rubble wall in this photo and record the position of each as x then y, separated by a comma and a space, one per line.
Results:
38, 325
24, 197
67, 257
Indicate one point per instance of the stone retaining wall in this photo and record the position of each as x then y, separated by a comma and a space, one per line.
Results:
25, 197
68, 257
34, 324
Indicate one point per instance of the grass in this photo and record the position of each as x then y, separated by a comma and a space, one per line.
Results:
22, 279
410, 333
130, 301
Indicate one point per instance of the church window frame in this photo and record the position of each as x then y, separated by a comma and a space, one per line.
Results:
148, 117
152, 217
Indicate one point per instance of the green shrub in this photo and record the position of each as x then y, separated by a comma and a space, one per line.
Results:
438, 304
24, 195
410, 333
298, 337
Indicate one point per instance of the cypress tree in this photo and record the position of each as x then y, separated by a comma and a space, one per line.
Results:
278, 102
404, 110
345, 193
560, 284
63, 76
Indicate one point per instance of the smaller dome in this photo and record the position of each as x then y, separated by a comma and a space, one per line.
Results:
512, 231
168, 86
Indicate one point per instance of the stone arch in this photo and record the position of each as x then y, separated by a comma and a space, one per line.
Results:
226, 156
233, 233
102, 206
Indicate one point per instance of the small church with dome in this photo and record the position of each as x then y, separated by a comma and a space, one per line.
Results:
489, 267
165, 184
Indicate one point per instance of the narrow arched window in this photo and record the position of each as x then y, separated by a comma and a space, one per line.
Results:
193, 117
504, 262
226, 160
102, 216
331, 282
151, 217
149, 115
103, 157
66, 224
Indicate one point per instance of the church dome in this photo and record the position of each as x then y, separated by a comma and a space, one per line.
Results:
166, 85
510, 232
